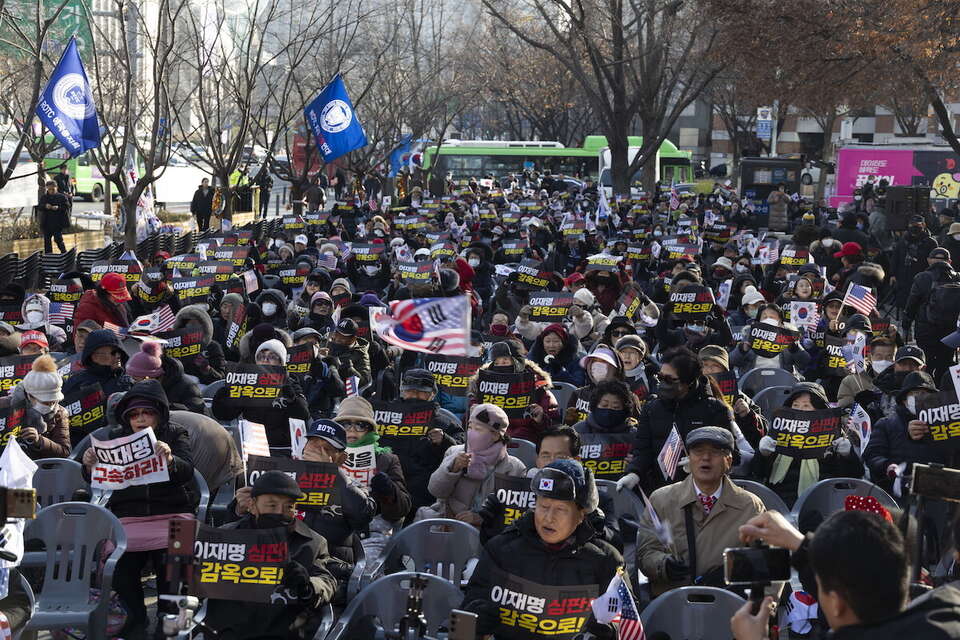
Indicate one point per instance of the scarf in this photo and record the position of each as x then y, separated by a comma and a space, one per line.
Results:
371, 437
809, 471
484, 460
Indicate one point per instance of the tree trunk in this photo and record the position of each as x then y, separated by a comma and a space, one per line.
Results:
129, 205
619, 165
296, 196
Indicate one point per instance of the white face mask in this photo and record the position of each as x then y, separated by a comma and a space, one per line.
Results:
34, 317
371, 270
879, 366
598, 371
41, 408
956, 236
772, 321
474, 262
269, 308
911, 404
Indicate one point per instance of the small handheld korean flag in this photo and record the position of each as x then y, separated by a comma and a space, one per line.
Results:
66, 105
333, 121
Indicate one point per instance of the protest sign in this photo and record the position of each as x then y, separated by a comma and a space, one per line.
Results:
11, 423
516, 497
361, 464
834, 364
236, 327
514, 250
413, 272
65, 290
941, 412
512, 392
251, 385
363, 252
87, 408
239, 564
193, 290
320, 482
693, 303
630, 303
549, 306
128, 461
605, 454
300, 359
12, 370
727, 381
403, 419
221, 270
452, 373
443, 251
529, 275
539, 611
794, 257
769, 340
235, 255
11, 313
129, 268
183, 344
603, 262
295, 276
804, 434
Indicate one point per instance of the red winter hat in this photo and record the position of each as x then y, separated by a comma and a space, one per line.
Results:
849, 249
556, 328
866, 503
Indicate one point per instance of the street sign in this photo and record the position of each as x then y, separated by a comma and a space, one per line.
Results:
764, 129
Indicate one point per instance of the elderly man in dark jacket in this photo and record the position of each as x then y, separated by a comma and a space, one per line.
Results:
308, 577
103, 359
145, 406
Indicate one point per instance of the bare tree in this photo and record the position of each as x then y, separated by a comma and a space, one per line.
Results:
643, 60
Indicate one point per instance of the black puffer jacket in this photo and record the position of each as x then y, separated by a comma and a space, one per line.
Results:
182, 393
658, 415
890, 443
585, 560
275, 419
110, 380
177, 494
928, 329
208, 366
339, 524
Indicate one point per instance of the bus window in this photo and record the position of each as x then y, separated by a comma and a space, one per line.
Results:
83, 160
501, 166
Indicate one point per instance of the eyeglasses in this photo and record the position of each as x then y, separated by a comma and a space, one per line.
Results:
667, 379
548, 457
350, 425
136, 413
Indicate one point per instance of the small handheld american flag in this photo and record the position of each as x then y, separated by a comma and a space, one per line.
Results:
616, 606
860, 298
60, 313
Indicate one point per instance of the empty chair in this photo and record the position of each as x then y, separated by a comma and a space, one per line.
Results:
756, 379
209, 391
562, 392
82, 544
692, 613
386, 598
438, 546
827, 496
56, 480
770, 399
770, 499
524, 450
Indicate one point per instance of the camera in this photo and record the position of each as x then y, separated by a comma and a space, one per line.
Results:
935, 481
759, 564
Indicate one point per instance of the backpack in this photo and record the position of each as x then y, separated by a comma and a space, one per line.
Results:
943, 306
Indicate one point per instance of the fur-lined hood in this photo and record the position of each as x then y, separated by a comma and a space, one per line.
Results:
247, 356
198, 313
872, 270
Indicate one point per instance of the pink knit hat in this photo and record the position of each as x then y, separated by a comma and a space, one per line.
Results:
146, 363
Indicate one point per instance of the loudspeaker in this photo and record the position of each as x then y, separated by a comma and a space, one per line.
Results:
903, 202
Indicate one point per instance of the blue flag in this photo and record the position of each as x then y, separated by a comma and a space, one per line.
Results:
396, 156
66, 106
333, 121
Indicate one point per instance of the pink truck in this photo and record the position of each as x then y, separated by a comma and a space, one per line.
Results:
937, 166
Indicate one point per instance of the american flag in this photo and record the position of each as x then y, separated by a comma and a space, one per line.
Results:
159, 321
253, 438
61, 312
860, 298
670, 454
674, 199
120, 332
427, 325
616, 606
328, 261
352, 385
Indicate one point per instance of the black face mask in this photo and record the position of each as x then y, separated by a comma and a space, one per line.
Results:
274, 520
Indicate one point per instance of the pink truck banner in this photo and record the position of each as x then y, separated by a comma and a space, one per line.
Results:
900, 167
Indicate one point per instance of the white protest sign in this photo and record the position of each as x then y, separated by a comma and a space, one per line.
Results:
361, 464
128, 461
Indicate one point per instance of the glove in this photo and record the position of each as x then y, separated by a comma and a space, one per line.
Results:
893, 469
767, 445
628, 482
382, 485
297, 580
865, 397
842, 446
675, 570
492, 509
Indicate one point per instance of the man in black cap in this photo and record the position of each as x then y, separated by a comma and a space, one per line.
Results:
704, 512
307, 579
934, 304
349, 353
420, 457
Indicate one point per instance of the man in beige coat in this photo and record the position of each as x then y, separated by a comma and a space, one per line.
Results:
716, 508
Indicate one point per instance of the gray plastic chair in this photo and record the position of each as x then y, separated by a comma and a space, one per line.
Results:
692, 613
209, 391
770, 499
438, 546
562, 392
762, 377
524, 450
387, 599
84, 444
27, 589
627, 503
827, 496
201, 486
56, 480
74, 535
771, 399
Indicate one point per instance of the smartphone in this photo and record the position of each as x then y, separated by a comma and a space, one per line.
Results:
934, 481
752, 565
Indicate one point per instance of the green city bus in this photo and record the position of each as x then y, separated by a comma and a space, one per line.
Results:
464, 159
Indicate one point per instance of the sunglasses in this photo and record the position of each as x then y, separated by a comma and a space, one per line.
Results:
667, 379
